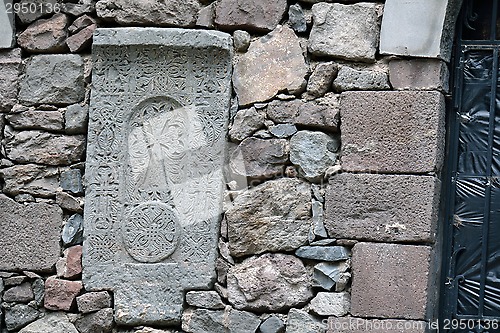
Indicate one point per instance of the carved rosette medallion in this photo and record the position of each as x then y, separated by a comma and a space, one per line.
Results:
151, 232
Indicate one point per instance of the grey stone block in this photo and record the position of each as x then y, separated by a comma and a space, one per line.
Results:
419, 74
390, 281
71, 181
7, 24
272, 324
419, 28
36, 248
382, 208
173, 118
20, 315
53, 79
30, 179
300, 321
323, 253
345, 31
396, 131
221, 321
76, 119
351, 79
10, 61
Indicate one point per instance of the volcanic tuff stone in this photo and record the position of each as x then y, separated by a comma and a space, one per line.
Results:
52, 322
425, 74
9, 73
273, 216
296, 18
61, 294
44, 148
313, 153
81, 40
323, 253
81, 23
21, 294
93, 301
322, 113
33, 179
177, 13
204, 299
68, 202
71, 181
300, 321
386, 208
351, 79
53, 79
283, 130
272, 63
100, 321
354, 325
206, 16
272, 324
76, 119
321, 79
271, 282
327, 274
72, 232
249, 14
390, 281
45, 35
330, 304
70, 266
405, 128
241, 40
37, 247
345, 31
34, 119
259, 158
19, 315
245, 123
227, 321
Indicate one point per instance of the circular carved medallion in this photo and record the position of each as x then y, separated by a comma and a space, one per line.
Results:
151, 232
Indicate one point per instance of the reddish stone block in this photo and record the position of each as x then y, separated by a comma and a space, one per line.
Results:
60, 294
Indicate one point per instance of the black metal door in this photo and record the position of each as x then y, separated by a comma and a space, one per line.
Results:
471, 290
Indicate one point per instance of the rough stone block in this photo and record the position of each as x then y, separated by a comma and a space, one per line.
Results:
53, 79
356, 325
154, 171
30, 235
390, 281
57, 322
45, 35
345, 31
93, 301
390, 208
419, 74
228, 320
397, 131
60, 294
351, 79
419, 28
35, 119
9, 74
76, 119
30, 179
7, 25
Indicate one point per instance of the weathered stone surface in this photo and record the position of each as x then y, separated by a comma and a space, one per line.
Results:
390, 281
44, 148
45, 35
419, 29
130, 178
351, 79
300, 321
399, 132
7, 26
271, 282
72, 232
100, 321
81, 23
81, 40
76, 119
14, 281
323, 253
38, 287
36, 10
77, 9
206, 16
179, 13
330, 304
273, 216
297, 18
21, 293
313, 153
61, 294
70, 266
241, 40
68, 202
272, 324
419, 74
93, 301
54, 79
245, 123
390, 208
259, 158
283, 130
321, 78
329, 274
31, 179
204, 299
249, 14
35, 119
345, 31
36, 248
52, 322
71, 181
227, 321
318, 227
19, 315
355, 325
322, 113
9, 74
273, 63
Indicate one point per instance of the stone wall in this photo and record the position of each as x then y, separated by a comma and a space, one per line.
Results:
334, 152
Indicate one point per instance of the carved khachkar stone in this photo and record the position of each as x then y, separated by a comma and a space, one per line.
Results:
156, 142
